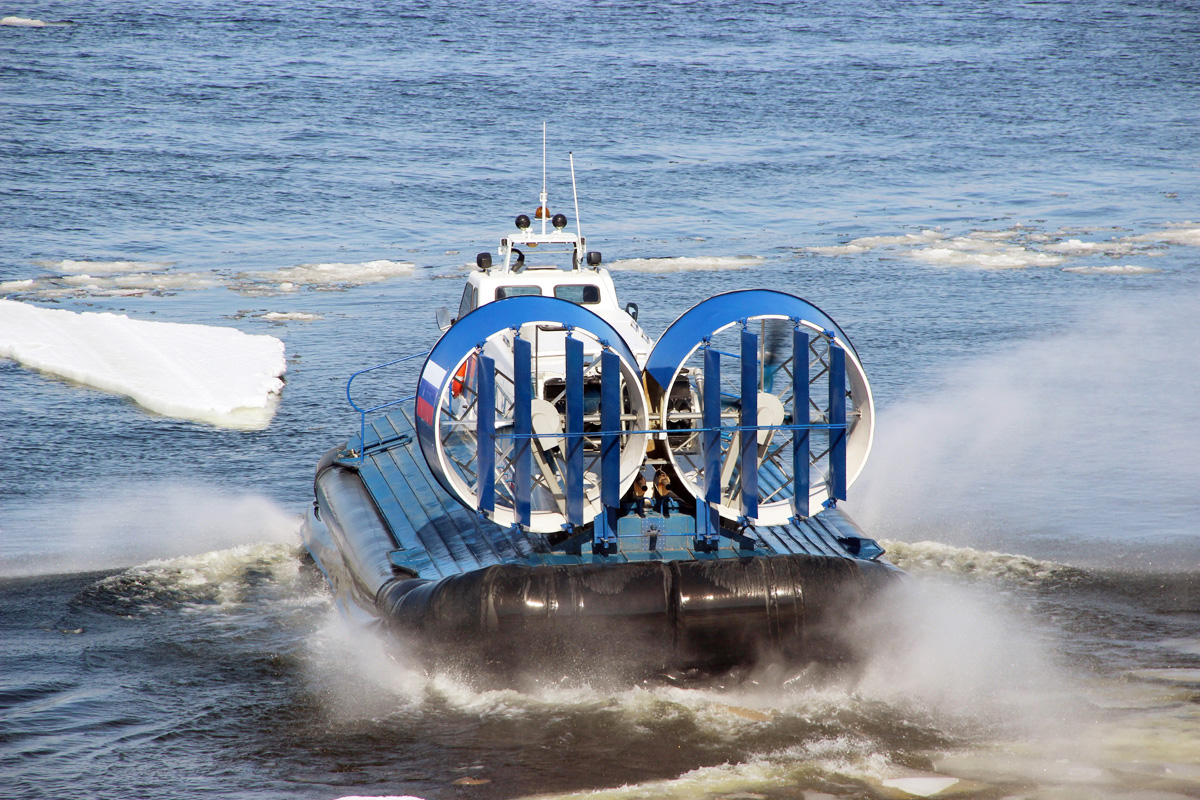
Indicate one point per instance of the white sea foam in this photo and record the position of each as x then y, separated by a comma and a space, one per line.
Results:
685, 264
943, 558
330, 275
122, 525
1113, 269
73, 267
205, 373
1011, 449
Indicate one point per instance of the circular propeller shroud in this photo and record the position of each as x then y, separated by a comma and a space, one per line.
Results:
446, 416
674, 378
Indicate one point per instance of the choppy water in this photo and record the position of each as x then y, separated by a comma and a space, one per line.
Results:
998, 204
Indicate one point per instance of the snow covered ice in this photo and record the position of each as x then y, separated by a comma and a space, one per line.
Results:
205, 373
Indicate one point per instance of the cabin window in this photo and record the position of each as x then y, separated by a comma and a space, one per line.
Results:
585, 294
468, 301
516, 291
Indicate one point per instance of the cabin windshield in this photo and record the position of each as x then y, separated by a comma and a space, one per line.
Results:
516, 291
584, 294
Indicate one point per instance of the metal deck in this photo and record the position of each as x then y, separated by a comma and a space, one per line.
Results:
436, 536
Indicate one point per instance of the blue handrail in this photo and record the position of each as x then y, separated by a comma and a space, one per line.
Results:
362, 412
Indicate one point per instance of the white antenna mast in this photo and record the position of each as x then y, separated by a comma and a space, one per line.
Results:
574, 191
543, 210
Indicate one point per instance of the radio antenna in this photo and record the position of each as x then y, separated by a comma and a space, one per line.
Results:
574, 191
543, 210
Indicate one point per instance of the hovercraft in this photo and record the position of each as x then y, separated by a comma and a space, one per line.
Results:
562, 488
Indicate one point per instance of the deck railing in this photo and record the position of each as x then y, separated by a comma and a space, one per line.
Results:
362, 412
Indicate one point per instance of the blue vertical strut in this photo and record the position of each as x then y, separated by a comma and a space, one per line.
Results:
748, 463
485, 433
837, 421
522, 429
605, 529
574, 440
800, 416
707, 517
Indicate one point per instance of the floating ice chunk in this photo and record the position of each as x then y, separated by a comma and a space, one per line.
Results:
924, 237
921, 787
1113, 269
865, 243
1182, 234
964, 252
333, 274
995, 235
290, 316
18, 286
74, 267
839, 249
686, 264
210, 374
1107, 248
123, 284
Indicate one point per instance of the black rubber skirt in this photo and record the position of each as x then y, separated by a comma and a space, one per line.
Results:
710, 614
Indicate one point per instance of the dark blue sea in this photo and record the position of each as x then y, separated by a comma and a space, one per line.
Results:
999, 202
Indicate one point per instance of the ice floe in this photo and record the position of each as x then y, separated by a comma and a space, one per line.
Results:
289, 316
325, 276
981, 254
204, 373
865, 243
1184, 234
23, 22
79, 267
1076, 246
685, 264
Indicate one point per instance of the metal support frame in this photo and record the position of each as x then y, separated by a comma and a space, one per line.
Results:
574, 431
708, 519
801, 415
522, 442
748, 460
485, 433
604, 541
837, 421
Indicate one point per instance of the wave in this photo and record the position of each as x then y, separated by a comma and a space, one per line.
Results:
929, 556
221, 578
122, 525
685, 264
